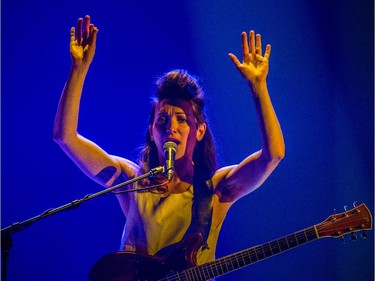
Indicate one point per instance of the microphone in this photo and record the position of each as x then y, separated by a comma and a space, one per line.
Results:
170, 150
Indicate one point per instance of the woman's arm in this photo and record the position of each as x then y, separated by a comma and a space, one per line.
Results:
89, 157
236, 181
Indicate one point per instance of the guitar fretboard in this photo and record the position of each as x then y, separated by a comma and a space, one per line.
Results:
246, 257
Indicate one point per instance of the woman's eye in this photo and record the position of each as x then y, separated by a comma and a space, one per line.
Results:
181, 120
161, 119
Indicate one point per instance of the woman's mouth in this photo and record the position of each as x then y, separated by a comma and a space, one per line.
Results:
176, 141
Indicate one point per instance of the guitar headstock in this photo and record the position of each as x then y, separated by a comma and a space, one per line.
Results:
337, 225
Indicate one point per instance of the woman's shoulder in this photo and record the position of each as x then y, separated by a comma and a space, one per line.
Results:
221, 174
225, 185
127, 167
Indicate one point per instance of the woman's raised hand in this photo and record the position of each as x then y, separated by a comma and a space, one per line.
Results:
83, 42
254, 65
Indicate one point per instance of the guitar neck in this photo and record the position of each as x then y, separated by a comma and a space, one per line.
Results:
131, 266
249, 256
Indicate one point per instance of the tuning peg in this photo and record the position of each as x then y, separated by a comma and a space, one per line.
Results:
364, 235
346, 208
354, 237
355, 204
343, 239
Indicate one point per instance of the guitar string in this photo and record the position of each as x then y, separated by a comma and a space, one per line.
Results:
207, 271
253, 253
247, 256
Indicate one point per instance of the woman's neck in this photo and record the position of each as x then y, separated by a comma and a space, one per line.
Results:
177, 186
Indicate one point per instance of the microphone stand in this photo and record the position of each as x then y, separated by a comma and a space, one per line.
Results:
7, 232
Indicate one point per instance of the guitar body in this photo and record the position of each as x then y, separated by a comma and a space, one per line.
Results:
128, 266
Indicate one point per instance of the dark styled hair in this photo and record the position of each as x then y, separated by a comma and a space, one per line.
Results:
181, 85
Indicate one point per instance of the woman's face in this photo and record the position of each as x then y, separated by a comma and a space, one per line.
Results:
174, 121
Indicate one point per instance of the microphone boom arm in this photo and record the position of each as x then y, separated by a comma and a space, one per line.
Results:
7, 232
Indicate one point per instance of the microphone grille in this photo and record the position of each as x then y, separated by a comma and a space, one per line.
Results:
170, 145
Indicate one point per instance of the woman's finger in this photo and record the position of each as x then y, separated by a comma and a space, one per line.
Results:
268, 51
252, 42
72, 34
79, 30
258, 45
245, 45
86, 28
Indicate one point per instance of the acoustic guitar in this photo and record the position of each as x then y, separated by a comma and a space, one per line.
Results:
178, 262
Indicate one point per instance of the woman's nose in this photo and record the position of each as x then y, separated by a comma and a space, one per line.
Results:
172, 126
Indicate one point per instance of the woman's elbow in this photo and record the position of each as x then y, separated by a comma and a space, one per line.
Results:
63, 138
276, 155
279, 154
59, 136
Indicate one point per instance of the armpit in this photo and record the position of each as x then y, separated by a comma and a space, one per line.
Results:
221, 188
106, 174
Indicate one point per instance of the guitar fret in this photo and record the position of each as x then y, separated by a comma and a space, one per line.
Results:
202, 272
194, 275
287, 243
256, 254
253, 256
302, 238
232, 268
270, 250
221, 267
178, 276
242, 258
296, 238
305, 236
214, 266
313, 234
227, 264
187, 274
208, 272
284, 244
292, 241
260, 253
264, 254
278, 245
274, 247
249, 256
238, 264
267, 250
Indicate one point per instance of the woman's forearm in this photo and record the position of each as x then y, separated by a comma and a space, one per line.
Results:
273, 147
66, 120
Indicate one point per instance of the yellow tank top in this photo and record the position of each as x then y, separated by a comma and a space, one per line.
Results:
154, 222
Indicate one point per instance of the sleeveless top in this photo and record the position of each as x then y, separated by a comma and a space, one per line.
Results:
154, 222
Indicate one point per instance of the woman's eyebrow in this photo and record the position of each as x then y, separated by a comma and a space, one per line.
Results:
166, 113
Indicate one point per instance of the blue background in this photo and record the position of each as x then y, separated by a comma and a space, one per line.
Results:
320, 81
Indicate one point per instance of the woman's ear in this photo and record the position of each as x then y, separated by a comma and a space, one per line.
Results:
201, 131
